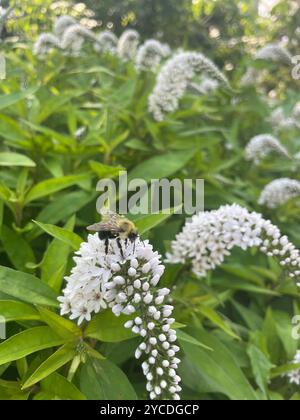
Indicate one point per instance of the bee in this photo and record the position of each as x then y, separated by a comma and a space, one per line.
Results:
114, 226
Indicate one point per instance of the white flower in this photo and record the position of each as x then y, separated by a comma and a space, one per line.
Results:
280, 121
274, 52
115, 279
106, 42
174, 79
259, 147
278, 192
294, 376
74, 37
150, 54
210, 237
128, 44
62, 23
44, 44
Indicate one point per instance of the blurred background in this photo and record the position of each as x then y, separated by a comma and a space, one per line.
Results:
209, 25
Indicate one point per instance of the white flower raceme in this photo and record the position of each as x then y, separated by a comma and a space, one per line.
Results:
259, 147
150, 54
279, 192
174, 79
280, 121
210, 236
44, 44
107, 42
274, 52
62, 23
128, 44
127, 283
294, 376
74, 37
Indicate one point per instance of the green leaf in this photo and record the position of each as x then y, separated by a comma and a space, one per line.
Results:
108, 328
284, 328
282, 370
161, 166
70, 238
251, 318
58, 387
17, 311
55, 260
183, 336
213, 316
19, 255
218, 368
26, 287
146, 223
62, 208
261, 368
13, 98
28, 342
51, 186
15, 159
58, 359
63, 327
105, 171
102, 380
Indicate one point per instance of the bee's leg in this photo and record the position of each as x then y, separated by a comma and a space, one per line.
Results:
106, 245
120, 247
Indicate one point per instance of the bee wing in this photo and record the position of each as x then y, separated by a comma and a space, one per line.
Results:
110, 226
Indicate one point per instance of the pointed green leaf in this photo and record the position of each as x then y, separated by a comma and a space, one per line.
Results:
58, 359
28, 342
51, 186
70, 238
102, 380
17, 311
63, 327
15, 159
26, 287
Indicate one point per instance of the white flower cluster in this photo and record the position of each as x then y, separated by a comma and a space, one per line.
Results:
280, 121
62, 23
209, 237
128, 44
44, 44
150, 54
279, 192
294, 376
74, 36
127, 283
259, 147
107, 42
274, 52
174, 79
